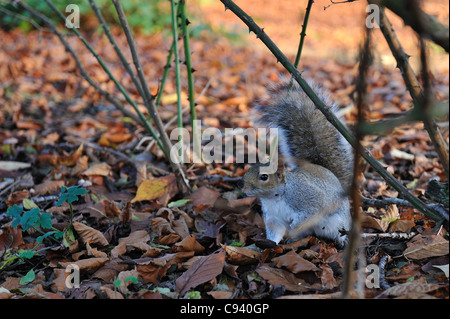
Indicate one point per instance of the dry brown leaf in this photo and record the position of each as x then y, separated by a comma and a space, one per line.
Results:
48, 187
71, 160
203, 198
163, 189
202, 270
181, 228
374, 223
139, 236
154, 269
110, 270
89, 234
282, 277
122, 276
95, 252
101, 169
402, 226
293, 262
240, 255
220, 294
190, 244
88, 265
392, 213
409, 287
327, 277
424, 246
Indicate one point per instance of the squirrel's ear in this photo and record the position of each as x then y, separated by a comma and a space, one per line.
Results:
281, 173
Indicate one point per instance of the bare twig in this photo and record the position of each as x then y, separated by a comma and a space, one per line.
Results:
355, 232
337, 2
182, 182
331, 117
423, 23
421, 99
75, 56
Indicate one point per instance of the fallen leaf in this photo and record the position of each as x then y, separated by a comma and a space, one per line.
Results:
203, 198
89, 234
293, 262
139, 236
89, 265
123, 276
101, 169
423, 246
409, 287
48, 187
282, 277
202, 270
163, 189
190, 244
154, 269
327, 277
240, 255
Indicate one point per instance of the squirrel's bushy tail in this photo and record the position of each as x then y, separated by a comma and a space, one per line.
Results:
304, 132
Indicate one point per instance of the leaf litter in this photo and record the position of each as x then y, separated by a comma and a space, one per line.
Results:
55, 131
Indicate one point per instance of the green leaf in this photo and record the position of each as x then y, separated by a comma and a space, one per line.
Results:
29, 218
178, 203
45, 220
29, 277
14, 211
27, 254
70, 194
41, 238
193, 295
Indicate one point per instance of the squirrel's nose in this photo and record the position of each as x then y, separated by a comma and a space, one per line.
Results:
240, 183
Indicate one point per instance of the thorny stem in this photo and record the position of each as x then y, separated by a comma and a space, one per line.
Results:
182, 182
190, 78
173, 11
413, 86
303, 33
331, 117
164, 77
106, 69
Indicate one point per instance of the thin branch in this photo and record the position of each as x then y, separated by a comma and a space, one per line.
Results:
173, 11
77, 59
355, 232
331, 117
424, 24
421, 99
113, 42
187, 55
111, 76
164, 77
182, 182
303, 33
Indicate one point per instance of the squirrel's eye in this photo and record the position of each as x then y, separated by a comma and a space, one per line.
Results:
263, 177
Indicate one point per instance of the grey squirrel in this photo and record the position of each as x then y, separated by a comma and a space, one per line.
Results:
318, 176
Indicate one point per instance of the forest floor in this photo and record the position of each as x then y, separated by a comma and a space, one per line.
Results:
133, 235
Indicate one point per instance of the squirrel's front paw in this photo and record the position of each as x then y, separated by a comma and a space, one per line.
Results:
275, 231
